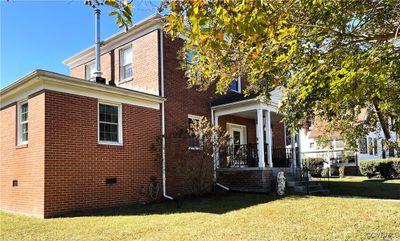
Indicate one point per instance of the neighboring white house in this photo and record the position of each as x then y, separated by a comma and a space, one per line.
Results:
370, 147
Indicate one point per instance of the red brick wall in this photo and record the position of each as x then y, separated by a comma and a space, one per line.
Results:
23, 163
181, 102
144, 65
77, 166
249, 123
278, 136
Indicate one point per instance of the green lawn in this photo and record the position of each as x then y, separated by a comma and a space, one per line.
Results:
228, 217
363, 187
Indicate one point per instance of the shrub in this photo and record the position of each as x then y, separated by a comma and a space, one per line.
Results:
325, 172
386, 168
368, 168
314, 165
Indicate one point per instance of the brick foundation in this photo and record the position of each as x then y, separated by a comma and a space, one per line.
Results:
247, 180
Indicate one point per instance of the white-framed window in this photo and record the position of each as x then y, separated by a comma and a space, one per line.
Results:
125, 63
370, 146
194, 142
89, 70
363, 146
109, 123
23, 122
236, 85
312, 145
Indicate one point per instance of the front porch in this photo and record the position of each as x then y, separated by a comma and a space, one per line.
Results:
260, 145
258, 135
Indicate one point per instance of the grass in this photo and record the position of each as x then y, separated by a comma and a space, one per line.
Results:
363, 187
228, 217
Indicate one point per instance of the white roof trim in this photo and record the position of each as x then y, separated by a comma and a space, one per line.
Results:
142, 28
44, 80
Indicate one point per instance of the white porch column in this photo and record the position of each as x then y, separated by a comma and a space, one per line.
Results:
268, 134
216, 151
299, 146
260, 137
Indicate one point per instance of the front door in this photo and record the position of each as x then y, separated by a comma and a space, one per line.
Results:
238, 139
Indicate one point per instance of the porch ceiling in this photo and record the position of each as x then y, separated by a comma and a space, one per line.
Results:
252, 114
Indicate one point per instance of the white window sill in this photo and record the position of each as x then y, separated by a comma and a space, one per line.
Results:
194, 148
123, 81
110, 143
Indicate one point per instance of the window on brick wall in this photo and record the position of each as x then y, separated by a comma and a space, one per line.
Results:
125, 67
110, 127
89, 70
362, 146
23, 122
193, 141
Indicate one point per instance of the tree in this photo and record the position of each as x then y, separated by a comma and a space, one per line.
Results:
336, 58
121, 9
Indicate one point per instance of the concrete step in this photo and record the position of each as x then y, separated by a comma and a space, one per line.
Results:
303, 189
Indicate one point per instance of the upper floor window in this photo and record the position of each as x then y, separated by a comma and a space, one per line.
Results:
126, 58
110, 129
363, 148
23, 123
89, 70
236, 85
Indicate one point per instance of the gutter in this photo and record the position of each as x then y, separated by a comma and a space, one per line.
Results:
164, 175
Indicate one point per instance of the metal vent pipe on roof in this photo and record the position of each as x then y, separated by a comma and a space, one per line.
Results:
97, 73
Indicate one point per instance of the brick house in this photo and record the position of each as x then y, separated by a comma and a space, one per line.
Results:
70, 144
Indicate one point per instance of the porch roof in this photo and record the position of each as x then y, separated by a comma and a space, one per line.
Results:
231, 98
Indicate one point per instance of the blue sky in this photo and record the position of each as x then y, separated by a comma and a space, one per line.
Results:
41, 34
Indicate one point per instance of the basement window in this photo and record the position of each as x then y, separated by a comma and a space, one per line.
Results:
23, 123
110, 125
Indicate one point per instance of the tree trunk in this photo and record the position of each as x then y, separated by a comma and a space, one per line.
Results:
385, 128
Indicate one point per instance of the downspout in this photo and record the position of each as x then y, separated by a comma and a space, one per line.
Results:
164, 175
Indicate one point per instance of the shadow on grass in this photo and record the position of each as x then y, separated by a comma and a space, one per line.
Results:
373, 188
212, 203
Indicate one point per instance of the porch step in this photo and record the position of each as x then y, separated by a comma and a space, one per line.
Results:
301, 187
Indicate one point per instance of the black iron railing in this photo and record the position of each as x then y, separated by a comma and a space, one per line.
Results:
282, 157
246, 155
243, 155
